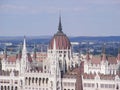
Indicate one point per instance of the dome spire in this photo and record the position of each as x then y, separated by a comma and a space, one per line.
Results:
60, 25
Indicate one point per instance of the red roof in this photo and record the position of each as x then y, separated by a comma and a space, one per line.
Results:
96, 60
102, 76
11, 58
112, 60
62, 41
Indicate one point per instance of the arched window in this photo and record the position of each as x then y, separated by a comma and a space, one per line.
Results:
43, 80
60, 63
8, 88
1, 87
12, 88
51, 84
117, 88
21, 83
97, 85
33, 80
5, 88
29, 80
39, 81
36, 80
16, 88
45, 67
46, 80
26, 80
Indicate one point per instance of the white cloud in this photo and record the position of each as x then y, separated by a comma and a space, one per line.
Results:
35, 10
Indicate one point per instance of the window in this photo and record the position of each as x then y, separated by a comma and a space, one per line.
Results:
85, 85
65, 84
1, 87
12, 88
68, 84
92, 85
15, 88
102, 85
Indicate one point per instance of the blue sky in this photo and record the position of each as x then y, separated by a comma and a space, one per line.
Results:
79, 17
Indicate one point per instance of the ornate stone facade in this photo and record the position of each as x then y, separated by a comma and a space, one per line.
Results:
26, 72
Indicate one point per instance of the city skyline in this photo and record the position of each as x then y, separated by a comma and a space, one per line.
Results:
79, 18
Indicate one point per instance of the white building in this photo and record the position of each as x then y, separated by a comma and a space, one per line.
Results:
24, 72
101, 72
59, 68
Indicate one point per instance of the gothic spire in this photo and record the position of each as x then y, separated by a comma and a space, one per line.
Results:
24, 50
24, 59
60, 25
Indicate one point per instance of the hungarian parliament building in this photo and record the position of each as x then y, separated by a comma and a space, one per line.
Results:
59, 68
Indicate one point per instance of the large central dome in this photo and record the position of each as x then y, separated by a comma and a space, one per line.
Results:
62, 41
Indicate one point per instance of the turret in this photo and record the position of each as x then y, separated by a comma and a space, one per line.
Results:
118, 56
34, 52
5, 53
19, 53
88, 55
103, 53
55, 69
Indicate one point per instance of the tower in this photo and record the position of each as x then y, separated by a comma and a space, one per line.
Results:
55, 80
104, 62
34, 52
63, 48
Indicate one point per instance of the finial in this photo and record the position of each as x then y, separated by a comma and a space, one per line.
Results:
5, 52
